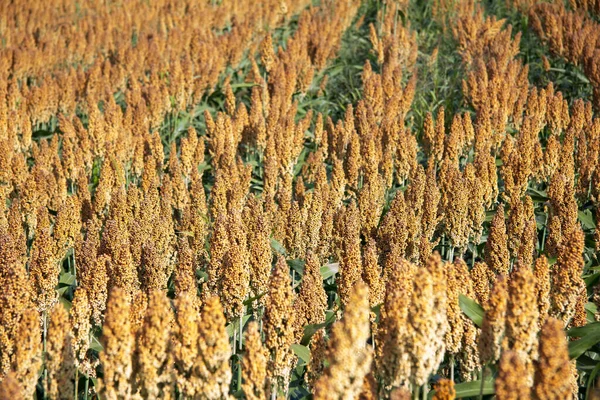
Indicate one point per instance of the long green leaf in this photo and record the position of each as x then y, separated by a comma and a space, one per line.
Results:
278, 247
328, 270
302, 352
586, 219
591, 380
472, 309
589, 335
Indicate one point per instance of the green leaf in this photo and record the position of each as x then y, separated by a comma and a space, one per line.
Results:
96, 345
236, 325
302, 352
586, 219
471, 389
591, 280
591, 380
66, 278
277, 247
471, 309
310, 330
329, 270
589, 336
297, 265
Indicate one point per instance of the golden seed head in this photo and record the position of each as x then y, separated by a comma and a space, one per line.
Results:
522, 317
392, 361
254, 365
118, 343
27, 356
212, 363
311, 302
553, 369
81, 315
492, 330
496, 250
509, 383
185, 273
153, 358
318, 348
422, 326
372, 275
185, 344
57, 348
541, 271
279, 321
444, 390
350, 258
258, 230
566, 276
469, 356
348, 354
44, 270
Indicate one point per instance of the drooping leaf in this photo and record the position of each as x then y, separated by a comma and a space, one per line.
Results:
588, 335
302, 352
586, 219
297, 265
328, 270
471, 309
278, 247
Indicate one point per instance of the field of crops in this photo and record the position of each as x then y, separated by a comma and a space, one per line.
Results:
296, 199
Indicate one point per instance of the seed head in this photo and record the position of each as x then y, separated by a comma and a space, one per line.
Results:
541, 272
57, 345
44, 270
566, 277
496, 250
492, 329
279, 320
509, 383
212, 362
422, 326
350, 258
118, 343
311, 302
552, 370
348, 354
444, 390
254, 365
153, 357
185, 344
393, 362
522, 318
27, 357
372, 275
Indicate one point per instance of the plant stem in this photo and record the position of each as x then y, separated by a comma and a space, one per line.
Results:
239, 375
234, 347
241, 327
424, 391
444, 250
416, 393
482, 382
452, 368
74, 267
45, 355
76, 383
544, 235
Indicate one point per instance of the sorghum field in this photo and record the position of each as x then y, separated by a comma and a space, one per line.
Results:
296, 199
